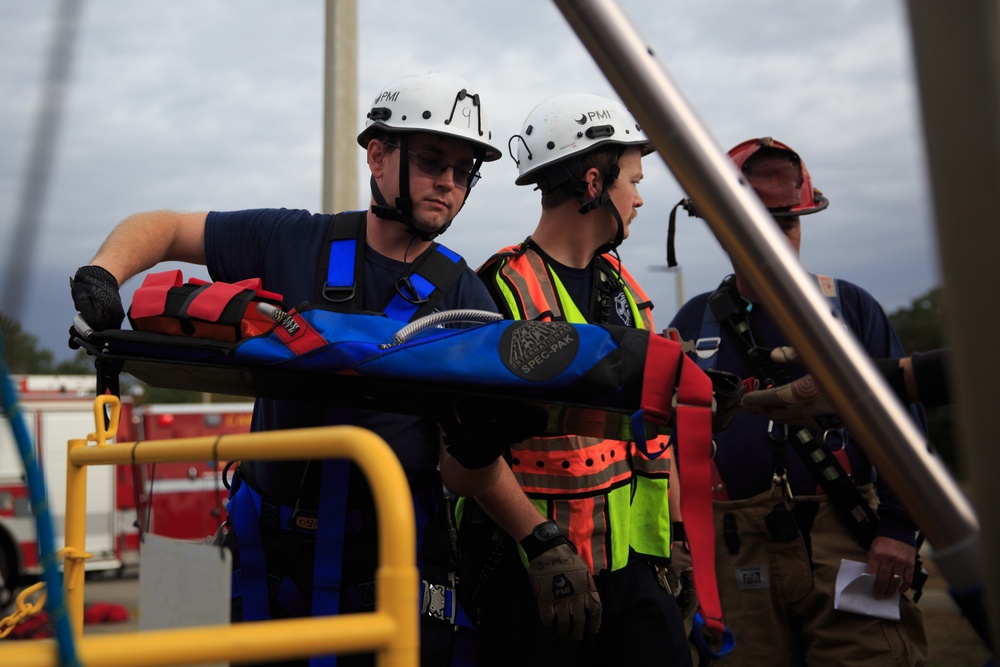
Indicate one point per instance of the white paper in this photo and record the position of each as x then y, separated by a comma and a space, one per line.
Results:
855, 592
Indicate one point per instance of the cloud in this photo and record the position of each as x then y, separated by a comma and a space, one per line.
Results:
218, 105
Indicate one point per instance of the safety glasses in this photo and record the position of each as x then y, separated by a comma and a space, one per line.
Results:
434, 165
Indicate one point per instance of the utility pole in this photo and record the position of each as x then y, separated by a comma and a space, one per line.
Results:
340, 104
678, 283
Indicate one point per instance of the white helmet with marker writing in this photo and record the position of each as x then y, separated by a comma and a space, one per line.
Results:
435, 102
439, 103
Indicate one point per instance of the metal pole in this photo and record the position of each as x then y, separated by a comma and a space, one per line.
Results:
749, 235
41, 154
340, 104
957, 55
678, 272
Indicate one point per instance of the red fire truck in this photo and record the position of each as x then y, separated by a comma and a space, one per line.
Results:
179, 500
184, 500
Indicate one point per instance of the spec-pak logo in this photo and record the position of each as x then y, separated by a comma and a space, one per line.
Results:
539, 351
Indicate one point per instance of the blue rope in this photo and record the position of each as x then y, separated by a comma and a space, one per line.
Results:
43, 520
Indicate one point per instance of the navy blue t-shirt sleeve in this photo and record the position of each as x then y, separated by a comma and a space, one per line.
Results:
282, 247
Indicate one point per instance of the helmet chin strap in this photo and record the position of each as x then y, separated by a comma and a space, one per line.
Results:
403, 211
604, 199
620, 234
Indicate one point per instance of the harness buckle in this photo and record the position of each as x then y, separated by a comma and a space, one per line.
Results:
336, 294
777, 431
434, 602
779, 480
705, 348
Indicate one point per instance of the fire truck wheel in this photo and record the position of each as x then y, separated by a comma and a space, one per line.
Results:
6, 580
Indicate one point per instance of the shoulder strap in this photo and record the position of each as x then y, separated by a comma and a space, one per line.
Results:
523, 278
417, 291
342, 260
427, 279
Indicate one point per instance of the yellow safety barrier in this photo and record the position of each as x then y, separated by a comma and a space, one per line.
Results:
391, 631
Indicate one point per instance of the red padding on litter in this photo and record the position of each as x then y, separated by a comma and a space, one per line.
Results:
150, 299
211, 300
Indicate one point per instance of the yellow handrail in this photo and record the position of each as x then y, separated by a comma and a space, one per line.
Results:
391, 630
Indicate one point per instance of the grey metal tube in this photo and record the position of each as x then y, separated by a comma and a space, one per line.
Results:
748, 233
957, 55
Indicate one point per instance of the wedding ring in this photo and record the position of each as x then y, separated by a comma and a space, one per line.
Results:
897, 576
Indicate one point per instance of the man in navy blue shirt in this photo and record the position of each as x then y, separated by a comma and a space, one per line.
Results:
780, 534
426, 137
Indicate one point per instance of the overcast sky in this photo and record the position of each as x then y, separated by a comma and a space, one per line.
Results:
206, 104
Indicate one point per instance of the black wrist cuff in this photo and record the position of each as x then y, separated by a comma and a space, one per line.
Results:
893, 374
677, 532
542, 538
98, 272
930, 374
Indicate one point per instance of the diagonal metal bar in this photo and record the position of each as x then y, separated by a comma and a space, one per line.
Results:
747, 232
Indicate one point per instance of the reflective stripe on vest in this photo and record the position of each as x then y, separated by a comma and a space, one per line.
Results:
570, 465
596, 490
532, 290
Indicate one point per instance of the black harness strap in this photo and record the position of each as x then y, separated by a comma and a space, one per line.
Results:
858, 516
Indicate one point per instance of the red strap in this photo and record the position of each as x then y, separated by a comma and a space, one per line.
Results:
255, 285
150, 299
666, 367
210, 300
659, 379
306, 339
694, 452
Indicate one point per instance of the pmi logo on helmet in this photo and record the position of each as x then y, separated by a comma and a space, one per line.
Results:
386, 96
591, 116
538, 351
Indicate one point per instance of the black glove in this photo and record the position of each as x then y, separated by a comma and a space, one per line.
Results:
727, 390
477, 431
564, 588
96, 297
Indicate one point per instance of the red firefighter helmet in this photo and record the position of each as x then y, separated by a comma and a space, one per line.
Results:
779, 177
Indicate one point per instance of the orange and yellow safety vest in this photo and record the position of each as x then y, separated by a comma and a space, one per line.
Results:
606, 495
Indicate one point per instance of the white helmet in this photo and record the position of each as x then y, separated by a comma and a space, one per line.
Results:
435, 102
566, 125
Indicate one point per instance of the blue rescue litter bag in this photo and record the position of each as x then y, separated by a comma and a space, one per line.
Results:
589, 378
